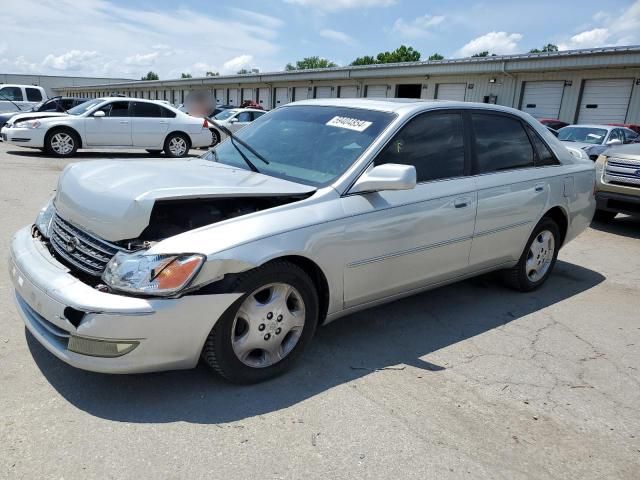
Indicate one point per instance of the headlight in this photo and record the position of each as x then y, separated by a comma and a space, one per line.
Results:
151, 274
27, 124
45, 218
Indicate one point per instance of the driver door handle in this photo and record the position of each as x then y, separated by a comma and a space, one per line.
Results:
124, 122
461, 202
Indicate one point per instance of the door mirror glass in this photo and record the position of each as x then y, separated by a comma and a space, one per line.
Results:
389, 176
99, 114
233, 120
614, 141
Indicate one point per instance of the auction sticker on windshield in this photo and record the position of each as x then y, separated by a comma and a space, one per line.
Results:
349, 123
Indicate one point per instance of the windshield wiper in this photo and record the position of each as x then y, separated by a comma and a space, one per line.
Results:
9, 100
244, 144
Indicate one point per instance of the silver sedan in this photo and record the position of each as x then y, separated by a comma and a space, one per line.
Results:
315, 210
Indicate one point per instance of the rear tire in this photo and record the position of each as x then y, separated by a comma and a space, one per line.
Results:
264, 332
61, 143
604, 216
215, 137
177, 145
538, 259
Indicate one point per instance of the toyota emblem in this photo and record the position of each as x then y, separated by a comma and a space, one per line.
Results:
72, 244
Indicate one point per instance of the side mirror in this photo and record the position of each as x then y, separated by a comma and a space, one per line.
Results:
99, 114
390, 176
233, 120
614, 141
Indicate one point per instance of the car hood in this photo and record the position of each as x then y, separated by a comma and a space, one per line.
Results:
582, 145
114, 199
36, 115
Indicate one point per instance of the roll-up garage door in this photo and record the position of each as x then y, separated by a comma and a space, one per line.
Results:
376, 91
322, 92
282, 96
451, 91
350, 91
233, 96
219, 96
605, 101
300, 93
264, 98
542, 99
247, 94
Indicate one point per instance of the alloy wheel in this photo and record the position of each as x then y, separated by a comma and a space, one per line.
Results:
540, 255
62, 143
177, 146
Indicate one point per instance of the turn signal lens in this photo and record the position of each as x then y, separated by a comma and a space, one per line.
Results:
177, 273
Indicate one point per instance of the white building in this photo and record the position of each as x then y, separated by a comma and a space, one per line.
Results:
599, 85
51, 83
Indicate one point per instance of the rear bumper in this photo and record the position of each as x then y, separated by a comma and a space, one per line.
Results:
618, 202
201, 139
170, 332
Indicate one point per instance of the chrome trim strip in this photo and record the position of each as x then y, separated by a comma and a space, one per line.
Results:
421, 248
501, 229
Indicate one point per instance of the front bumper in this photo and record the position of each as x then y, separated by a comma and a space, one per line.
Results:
24, 137
170, 332
618, 202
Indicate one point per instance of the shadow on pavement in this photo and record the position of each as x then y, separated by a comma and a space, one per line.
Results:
397, 333
621, 225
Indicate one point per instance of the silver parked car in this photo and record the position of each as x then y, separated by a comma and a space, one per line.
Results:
315, 210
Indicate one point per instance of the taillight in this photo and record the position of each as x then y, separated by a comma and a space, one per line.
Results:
205, 124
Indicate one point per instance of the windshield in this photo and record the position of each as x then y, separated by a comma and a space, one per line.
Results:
84, 107
313, 145
591, 135
223, 115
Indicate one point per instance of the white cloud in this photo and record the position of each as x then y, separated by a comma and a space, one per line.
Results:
611, 29
337, 36
142, 59
494, 42
122, 41
73, 60
237, 63
335, 5
418, 27
265, 20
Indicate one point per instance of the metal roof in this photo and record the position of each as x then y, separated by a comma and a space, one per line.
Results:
567, 59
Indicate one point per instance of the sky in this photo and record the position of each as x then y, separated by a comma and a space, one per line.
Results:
126, 39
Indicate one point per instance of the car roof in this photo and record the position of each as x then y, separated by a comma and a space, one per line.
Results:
401, 105
592, 125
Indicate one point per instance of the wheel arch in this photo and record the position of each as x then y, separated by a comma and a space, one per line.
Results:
559, 215
66, 128
181, 132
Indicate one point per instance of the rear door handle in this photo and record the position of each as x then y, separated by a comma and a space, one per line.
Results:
539, 187
461, 202
124, 122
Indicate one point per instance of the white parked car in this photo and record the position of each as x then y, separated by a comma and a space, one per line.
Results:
587, 136
316, 210
114, 122
16, 98
233, 119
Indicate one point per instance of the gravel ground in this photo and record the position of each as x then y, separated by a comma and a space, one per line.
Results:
466, 381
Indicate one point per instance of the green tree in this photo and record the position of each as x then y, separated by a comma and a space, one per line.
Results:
243, 71
436, 56
400, 54
185, 75
481, 54
211, 74
151, 76
366, 60
308, 63
549, 47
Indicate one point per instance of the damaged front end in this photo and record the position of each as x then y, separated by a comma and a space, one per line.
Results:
124, 266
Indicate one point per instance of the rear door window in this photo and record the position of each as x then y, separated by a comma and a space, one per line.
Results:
33, 94
147, 110
501, 143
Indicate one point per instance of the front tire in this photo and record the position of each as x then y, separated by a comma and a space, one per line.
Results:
604, 216
177, 145
61, 143
538, 259
265, 331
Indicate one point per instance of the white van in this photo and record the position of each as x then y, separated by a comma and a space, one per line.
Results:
20, 97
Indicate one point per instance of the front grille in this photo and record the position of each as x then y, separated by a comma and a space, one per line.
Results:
622, 171
79, 249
